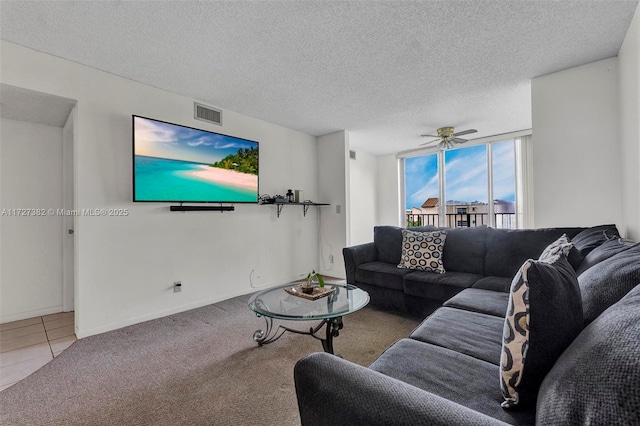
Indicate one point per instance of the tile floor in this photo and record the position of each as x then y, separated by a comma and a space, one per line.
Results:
27, 345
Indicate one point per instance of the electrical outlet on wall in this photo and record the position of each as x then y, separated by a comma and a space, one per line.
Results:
331, 258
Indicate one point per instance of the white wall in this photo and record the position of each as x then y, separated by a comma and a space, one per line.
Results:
31, 252
125, 266
333, 188
576, 146
363, 172
629, 64
389, 203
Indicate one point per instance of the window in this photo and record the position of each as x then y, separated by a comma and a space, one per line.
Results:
467, 178
465, 175
423, 190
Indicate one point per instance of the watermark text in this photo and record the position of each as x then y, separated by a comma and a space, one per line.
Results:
65, 212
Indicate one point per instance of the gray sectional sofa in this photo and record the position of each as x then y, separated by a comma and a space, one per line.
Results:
448, 370
482, 257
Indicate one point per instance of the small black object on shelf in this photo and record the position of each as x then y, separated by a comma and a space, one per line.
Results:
290, 195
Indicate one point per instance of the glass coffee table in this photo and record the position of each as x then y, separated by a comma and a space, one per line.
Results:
276, 303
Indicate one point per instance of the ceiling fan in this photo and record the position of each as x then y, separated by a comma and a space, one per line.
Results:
447, 138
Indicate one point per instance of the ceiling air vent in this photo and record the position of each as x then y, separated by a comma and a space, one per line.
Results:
208, 114
352, 154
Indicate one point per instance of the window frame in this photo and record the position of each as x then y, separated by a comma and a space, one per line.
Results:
523, 176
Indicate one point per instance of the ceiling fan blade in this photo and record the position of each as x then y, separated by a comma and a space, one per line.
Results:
430, 136
459, 140
465, 132
430, 142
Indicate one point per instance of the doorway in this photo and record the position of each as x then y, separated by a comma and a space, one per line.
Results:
36, 192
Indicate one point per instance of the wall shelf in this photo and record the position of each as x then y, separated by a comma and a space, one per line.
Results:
305, 206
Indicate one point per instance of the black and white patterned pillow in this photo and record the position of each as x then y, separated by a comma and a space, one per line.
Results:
423, 250
544, 315
560, 246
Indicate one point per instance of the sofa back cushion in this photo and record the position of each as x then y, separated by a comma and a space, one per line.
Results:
388, 241
507, 249
465, 250
596, 380
603, 252
608, 281
587, 240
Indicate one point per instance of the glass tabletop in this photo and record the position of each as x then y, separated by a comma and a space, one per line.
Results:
277, 303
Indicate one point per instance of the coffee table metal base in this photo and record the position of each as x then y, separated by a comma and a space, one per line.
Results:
271, 334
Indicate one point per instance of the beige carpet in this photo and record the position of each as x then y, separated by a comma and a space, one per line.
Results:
199, 367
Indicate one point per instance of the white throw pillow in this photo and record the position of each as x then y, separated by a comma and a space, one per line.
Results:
423, 250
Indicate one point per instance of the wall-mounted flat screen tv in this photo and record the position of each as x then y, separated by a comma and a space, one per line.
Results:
173, 163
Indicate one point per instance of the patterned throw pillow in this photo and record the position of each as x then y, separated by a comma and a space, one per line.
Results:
423, 250
560, 246
543, 317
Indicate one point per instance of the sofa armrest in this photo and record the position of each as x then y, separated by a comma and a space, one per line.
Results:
333, 391
357, 255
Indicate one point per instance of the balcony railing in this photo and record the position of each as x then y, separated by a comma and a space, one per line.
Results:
464, 220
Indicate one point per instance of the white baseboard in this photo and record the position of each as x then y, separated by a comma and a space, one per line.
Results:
30, 314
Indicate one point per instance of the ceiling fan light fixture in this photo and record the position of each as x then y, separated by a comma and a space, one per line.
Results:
447, 137
445, 132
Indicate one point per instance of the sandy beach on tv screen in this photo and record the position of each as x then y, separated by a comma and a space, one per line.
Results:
228, 177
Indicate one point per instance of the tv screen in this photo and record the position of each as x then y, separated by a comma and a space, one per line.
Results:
173, 163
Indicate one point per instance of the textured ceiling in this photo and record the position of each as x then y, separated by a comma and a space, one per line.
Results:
21, 104
386, 71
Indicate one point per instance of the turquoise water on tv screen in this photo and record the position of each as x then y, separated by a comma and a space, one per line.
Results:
160, 179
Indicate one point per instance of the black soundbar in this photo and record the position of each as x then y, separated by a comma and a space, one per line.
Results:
202, 208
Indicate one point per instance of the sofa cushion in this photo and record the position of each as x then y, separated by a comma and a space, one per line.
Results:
590, 238
388, 241
438, 286
501, 284
425, 228
543, 318
471, 333
587, 240
608, 281
483, 301
452, 375
381, 274
604, 251
422, 250
465, 250
597, 379
386, 298
507, 249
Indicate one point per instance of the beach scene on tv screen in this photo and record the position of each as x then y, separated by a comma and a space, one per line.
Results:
176, 163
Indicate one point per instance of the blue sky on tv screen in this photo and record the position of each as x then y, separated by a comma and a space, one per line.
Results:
163, 140
466, 175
